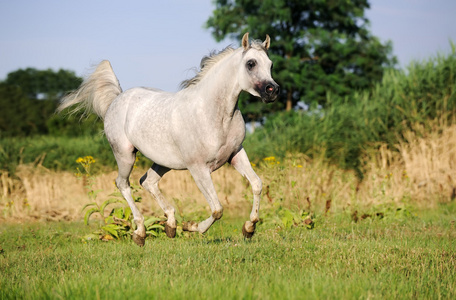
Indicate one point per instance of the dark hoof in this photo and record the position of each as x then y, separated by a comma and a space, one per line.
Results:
140, 241
186, 226
246, 233
170, 232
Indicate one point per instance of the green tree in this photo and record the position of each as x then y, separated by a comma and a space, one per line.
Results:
43, 84
17, 113
28, 99
318, 46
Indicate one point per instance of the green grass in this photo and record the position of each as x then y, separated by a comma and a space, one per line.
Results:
56, 153
411, 257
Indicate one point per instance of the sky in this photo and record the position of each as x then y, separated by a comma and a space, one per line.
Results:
159, 43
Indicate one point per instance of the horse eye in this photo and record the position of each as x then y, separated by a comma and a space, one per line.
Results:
251, 64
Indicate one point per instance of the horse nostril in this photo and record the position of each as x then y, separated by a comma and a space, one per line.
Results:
269, 89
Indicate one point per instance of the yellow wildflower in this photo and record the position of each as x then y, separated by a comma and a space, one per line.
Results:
269, 158
85, 162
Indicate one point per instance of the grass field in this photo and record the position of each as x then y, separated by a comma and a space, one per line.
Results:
398, 257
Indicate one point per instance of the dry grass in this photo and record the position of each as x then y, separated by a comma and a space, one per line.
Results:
422, 172
431, 162
38, 193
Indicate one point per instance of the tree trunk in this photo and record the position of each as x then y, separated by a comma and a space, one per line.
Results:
289, 105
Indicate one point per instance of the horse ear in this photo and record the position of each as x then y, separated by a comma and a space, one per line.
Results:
267, 42
245, 41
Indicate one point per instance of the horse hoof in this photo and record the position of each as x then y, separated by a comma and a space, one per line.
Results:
246, 233
187, 226
170, 232
140, 241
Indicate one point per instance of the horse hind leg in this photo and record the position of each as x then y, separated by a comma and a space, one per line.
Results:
125, 161
150, 182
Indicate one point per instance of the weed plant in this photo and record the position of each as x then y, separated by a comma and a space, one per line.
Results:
119, 221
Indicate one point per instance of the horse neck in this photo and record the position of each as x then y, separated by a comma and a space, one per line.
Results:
220, 89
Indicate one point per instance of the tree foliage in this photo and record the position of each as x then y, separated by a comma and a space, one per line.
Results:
43, 84
318, 46
29, 98
20, 115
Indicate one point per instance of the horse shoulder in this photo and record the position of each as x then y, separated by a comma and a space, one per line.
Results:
229, 142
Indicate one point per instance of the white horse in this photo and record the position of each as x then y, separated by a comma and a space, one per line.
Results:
199, 128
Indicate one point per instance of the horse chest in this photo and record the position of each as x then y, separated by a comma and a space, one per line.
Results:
227, 146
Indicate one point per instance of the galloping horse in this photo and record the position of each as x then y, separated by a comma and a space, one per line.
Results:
199, 128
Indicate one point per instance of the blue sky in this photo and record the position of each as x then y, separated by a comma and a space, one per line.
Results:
157, 43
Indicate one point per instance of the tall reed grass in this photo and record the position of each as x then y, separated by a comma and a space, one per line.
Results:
348, 127
420, 171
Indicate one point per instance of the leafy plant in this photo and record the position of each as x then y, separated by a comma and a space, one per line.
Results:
118, 222
154, 226
384, 211
286, 218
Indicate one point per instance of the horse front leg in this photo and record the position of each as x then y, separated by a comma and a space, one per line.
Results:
241, 163
204, 182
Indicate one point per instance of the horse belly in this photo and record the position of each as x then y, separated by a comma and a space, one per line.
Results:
156, 145
162, 154
148, 127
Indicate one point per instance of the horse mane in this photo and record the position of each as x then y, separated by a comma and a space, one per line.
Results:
207, 62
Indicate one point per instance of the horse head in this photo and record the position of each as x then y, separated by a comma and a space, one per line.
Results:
255, 70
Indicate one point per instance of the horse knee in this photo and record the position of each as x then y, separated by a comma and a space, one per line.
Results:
257, 186
122, 183
217, 214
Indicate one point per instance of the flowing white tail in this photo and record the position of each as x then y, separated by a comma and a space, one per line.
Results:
96, 92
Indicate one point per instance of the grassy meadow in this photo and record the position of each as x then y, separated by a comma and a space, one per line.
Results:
398, 257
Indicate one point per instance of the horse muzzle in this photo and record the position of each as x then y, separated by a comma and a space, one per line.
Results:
269, 91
